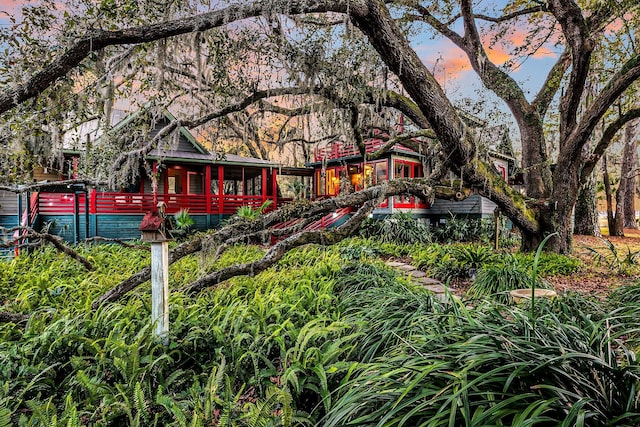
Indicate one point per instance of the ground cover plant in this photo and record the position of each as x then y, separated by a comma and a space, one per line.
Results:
328, 336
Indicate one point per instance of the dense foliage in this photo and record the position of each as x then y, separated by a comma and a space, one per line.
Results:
329, 336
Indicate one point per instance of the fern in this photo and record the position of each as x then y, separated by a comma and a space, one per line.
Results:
5, 417
140, 402
172, 407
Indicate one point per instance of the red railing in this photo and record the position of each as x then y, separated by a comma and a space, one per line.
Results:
195, 203
34, 208
59, 203
123, 203
337, 150
328, 220
138, 203
231, 203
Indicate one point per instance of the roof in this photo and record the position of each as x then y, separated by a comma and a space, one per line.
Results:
191, 157
191, 151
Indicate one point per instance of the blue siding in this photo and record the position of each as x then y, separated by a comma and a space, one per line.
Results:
118, 226
8, 221
123, 227
60, 225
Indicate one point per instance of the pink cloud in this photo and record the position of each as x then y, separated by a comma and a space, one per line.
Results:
516, 44
617, 25
11, 7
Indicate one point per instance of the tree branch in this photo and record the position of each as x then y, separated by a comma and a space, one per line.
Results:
576, 32
277, 251
55, 241
512, 15
41, 186
6, 317
602, 145
628, 74
96, 40
552, 84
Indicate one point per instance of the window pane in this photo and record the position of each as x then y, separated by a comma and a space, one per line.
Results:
381, 172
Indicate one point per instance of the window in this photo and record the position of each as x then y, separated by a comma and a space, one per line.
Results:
382, 172
406, 169
195, 183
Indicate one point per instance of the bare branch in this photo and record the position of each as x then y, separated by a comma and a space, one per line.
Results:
143, 275
6, 317
628, 74
26, 233
277, 251
602, 145
443, 28
410, 140
552, 84
576, 31
41, 186
512, 15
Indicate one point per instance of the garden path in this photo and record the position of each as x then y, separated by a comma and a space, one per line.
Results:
419, 277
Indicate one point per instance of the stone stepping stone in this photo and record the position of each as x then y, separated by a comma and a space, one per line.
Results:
406, 267
436, 289
429, 281
417, 274
395, 263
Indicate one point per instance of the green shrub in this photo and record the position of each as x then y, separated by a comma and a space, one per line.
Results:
463, 229
551, 264
458, 261
399, 228
446, 365
496, 280
363, 275
625, 262
425, 257
317, 340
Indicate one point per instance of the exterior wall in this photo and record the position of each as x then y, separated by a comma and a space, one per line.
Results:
8, 203
183, 142
112, 226
473, 205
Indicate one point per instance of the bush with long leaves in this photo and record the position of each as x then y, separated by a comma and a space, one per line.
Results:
400, 228
496, 280
494, 365
319, 339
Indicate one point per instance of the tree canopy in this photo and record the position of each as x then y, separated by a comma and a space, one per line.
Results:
287, 71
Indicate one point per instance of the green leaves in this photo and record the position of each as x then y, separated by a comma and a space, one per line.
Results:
320, 339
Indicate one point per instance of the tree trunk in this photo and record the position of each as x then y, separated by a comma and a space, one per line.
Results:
586, 213
555, 214
537, 180
620, 202
629, 160
611, 219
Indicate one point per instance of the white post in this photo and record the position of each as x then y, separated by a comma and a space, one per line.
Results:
160, 289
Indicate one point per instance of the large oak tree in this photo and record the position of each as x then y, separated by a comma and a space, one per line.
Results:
376, 43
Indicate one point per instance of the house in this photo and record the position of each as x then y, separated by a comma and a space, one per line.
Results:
184, 175
339, 167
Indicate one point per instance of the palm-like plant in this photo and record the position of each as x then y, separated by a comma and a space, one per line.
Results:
248, 212
183, 220
623, 262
